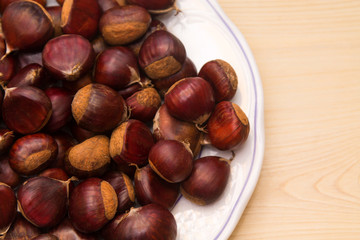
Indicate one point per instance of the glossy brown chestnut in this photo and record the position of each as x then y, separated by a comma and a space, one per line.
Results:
222, 77
155, 6
65, 230
7, 68
122, 25
64, 142
7, 174
161, 55
98, 108
61, 100
228, 126
6, 140
80, 17
55, 13
43, 201
190, 99
21, 229
155, 222
188, 70
56, 173
26, 109
150, 188
116, 67
207, 181
32, 153
95, 201
25, 58
68, 57
79, 133
144, 104
166, 127
7, 208
45, 236
5, 3
75, 86
124, 189
26, 26
31, 75
89, 158
131, 142
137, 86
171, 160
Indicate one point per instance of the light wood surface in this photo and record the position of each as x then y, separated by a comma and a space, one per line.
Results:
308, 55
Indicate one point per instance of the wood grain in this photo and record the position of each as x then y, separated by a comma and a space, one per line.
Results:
308, 54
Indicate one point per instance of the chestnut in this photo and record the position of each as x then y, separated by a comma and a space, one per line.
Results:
7, 68
190, 99
26, 26
150, 188
228, 126
55, 13
92, 204
124, 189
65, 230
143, 104
21, 229
56, 173
25, 58
7, 208
161, 55
79, 133
122, 25
131, 142
2, 46
5, 3
89, 158
207, 180
99, 44
166, 127
156, 6
68, 57
116, 67
43, 201
7, 174
31, 75
64, 141
222, 77
171, 160
98, 108
136, 86
108, 4
155, 222
61, 100
163, 84
80, 17
75, 86
6, 140
45, 236
26, 109
32, 153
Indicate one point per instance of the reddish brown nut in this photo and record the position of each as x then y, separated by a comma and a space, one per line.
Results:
45, 236
55, 13
7, 174
31, 75
32, 153
80, 17
108, 4
155, 6
65, 230
75, 86
25, 58
144, 104
161, 55
64, 142
99, 44
228, 126
79, 133
5, 3
98, 108
2, 46
7, 208
6, 140
56, 173
7, 69
21, 229
123, 25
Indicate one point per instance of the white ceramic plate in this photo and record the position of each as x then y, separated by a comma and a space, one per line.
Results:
208, 34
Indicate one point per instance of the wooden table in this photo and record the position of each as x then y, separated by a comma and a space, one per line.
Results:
308, 54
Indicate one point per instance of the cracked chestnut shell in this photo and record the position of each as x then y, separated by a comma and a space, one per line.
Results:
7, 208
68, 57
161, 55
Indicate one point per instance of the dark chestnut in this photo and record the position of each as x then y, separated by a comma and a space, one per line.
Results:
98, 108
64, 142
65, 230
32, 153
56, 173
156, 6
89, 158
122, 25
7, 174
143, 104
99, 44
92, 204
26, 26
161, 55
7, 208
222, 77
116, 67
207, 180
45, 236
108, 4
136, 86
26, 109
55, 13
25, 58
43, 201
2, 46
166, 127
31, 75
171, 160
80, 17
7, 68
6, 140
190, 99
131, 142
150, 188
5, 3
61, 100
68, 57
124, 189
75, 86
79, 133
228, 126
21, 229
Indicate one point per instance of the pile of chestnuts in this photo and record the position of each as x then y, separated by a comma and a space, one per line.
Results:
103, 117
